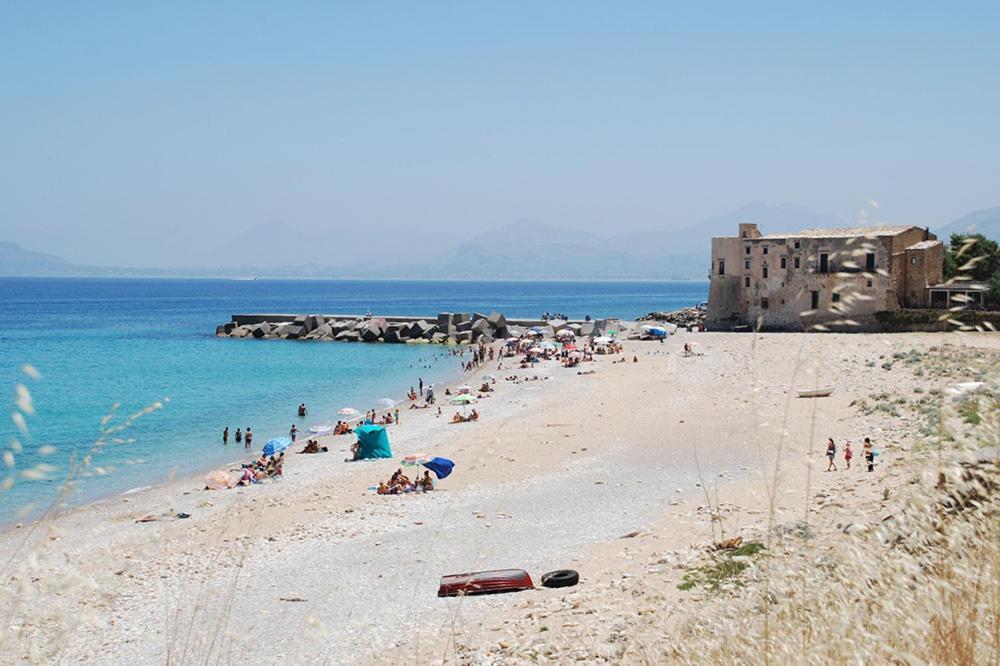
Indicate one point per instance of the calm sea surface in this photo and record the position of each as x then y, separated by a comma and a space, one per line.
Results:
98, 342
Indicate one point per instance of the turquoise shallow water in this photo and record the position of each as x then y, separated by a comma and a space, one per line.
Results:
98, 342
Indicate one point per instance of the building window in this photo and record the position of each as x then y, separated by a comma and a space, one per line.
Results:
746, 281
765, 249
914, 260
797, 245
746, 264
870, 262
748, 249
796, 262
815, 300
765, 272
836, 297
824, 262
764, 304
722, 266
784, 262
869, 284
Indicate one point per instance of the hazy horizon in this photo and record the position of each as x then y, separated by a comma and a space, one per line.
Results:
160, 136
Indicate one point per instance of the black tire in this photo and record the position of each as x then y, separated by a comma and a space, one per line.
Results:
561, 578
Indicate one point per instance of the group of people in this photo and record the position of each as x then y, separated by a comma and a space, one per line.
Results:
867, 450
246, 439
400, 483
458, 418
265, 467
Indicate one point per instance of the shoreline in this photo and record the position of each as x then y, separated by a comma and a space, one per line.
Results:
551, 478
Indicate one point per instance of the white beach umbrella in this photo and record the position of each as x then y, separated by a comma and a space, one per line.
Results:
565, 333
536, 350
603, 340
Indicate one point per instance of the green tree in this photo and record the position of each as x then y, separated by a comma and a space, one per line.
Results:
977, 258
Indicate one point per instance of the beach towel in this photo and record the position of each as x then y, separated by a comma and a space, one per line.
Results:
440, 466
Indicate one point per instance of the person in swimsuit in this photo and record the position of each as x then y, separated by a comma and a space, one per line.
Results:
831, 452
248, 440
848, 454
239, 435
225, 436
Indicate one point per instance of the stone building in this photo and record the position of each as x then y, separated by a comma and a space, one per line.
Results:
820, 276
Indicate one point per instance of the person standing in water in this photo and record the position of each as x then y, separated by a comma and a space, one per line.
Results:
421, 386
293, 432
239, 436
225, 436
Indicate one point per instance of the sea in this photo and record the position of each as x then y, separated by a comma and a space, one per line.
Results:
142, 353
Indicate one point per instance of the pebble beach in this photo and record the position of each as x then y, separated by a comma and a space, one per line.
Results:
605, 473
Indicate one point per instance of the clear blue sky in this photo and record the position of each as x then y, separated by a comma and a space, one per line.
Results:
132, 129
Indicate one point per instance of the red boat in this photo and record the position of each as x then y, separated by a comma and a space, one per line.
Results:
485, 582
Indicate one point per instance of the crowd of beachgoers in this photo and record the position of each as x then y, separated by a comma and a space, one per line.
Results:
523, 352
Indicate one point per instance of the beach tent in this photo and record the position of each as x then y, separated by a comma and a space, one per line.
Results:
373, 441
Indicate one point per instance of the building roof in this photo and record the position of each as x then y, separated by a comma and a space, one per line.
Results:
924, 245
844, 232
961, 286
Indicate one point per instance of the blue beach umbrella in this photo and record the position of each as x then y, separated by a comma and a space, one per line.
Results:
276, 445
440, 466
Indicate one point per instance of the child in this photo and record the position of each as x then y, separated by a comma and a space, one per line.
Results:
848, 454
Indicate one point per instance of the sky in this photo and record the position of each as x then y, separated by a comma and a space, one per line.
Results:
175, 134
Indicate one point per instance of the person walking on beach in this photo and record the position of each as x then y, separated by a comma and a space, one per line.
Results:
848, 454
869, 453
248, 440
421, 383
239, 436
293, 432
397, 416
831, 452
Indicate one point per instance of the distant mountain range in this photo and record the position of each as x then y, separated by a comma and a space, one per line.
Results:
516, 251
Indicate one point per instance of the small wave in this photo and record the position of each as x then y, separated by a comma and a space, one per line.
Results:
136, 490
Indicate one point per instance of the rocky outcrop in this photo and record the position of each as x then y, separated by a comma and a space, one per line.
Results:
446, 328
692, 316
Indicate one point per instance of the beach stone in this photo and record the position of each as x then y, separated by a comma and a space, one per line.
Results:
464, 326
324, 330
557, 324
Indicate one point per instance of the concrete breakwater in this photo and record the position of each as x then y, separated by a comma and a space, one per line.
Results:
454, 327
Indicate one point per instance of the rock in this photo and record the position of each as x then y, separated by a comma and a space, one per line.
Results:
481, 326
421, 328
463, 326
391, 335
370, 332
240, 332
347, 336
463, 337
557, 324
438, 337
260, 330
342, 325
310, 323
586, 328
497, 320
294, 332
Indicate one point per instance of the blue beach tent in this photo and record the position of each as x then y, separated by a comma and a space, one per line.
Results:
276, 445
374, 442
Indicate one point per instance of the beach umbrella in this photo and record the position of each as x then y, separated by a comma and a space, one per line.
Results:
387, 402
217, 480
321, 429
440, 466
536, 350
565, 333
276, 445
415, 459
348, 411
463, 399
602, 340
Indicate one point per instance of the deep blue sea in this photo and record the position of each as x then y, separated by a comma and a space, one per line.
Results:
98, 342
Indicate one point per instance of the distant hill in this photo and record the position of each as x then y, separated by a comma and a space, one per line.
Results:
15, 260
524, 251
985, 222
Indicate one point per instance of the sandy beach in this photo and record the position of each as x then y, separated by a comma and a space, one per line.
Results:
625, 475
